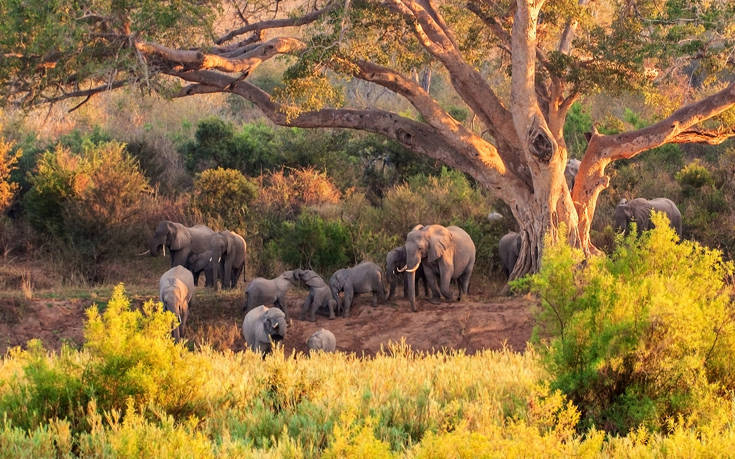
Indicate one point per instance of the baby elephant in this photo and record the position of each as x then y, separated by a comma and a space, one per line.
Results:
269, 291
322, 340
263, 325
176, 289
319, 294
363, 278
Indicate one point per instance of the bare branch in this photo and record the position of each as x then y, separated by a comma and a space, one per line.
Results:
245, 63
87, 93
277, 23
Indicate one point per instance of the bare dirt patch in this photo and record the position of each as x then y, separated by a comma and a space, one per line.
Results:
215, 319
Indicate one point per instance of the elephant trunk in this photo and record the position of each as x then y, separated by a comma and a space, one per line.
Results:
411, 274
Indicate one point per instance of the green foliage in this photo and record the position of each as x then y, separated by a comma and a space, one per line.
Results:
577, 124
315, 243
642, 337
693, 176
222, 197
8, 160
94, 202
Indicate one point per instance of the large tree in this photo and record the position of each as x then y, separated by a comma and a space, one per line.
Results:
519, 65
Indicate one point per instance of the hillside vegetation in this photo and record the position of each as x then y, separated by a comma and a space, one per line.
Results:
624, 345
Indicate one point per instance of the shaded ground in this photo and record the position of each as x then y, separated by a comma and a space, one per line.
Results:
215, 318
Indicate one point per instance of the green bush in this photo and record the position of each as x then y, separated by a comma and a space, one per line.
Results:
642, 337
314, 243
95, 203
693, 176
222, 197
8, 160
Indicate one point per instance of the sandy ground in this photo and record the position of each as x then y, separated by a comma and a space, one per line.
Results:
480, 323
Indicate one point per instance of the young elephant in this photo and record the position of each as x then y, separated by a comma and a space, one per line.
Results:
322, 340
269, 291
509, 247
319, 294
262, 326
366, 277
176, 289
396, 259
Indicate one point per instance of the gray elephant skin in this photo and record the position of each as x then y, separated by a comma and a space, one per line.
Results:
227, 252
176, 289
262, 326
570, 172
367, 277
394, 261
185, 244
639, 210
509, 247
445, 254
269, 291
322, 340
320, 295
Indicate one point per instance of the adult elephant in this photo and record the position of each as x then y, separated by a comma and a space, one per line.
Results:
639, 210
394, 261
227, 258
509, 247
447, 253
184, 243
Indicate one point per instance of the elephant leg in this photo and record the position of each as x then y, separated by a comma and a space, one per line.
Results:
349, 294
430, 279
307, 305
314, 306
391, 287
445, 281
331, 304
281, 304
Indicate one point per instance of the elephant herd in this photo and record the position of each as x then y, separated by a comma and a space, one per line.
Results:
636, 211
436, 255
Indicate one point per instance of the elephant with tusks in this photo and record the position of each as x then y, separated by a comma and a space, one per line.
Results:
176, 289
394, 273
322, 340
320, 295
445, 254
262, 326
367, 277
186, 245
639, 210
269, 291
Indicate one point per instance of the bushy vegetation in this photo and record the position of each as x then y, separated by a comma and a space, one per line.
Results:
642, 338
131, 391
223, 198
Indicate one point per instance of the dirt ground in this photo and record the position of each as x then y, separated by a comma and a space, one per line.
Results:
481, 323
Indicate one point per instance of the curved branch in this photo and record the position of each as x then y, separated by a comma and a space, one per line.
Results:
277, 23
245, 63
414, 135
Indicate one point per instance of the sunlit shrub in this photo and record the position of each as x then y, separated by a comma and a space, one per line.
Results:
643, 336
222, 197
8, 160
694, 176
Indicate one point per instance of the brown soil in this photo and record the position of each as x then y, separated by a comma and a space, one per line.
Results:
215, 319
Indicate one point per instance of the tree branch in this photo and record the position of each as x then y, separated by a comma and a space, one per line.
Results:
277, 23
87, 93
244, 63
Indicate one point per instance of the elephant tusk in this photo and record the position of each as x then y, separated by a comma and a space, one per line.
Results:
210, 259
219, 259
144, 253
400, 270
412, 270
164, 249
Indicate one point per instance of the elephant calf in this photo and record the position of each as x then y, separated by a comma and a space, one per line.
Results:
322, 340
639, 210
394, 262
262, 326
176, 289
509, 247
269, 291
320, 294
367, 277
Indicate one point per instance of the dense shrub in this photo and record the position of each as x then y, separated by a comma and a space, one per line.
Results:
314, 243
642, 337
8, 160
95, 203
222, 197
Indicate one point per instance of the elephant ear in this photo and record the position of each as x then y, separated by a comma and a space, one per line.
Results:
180, 237
439, 242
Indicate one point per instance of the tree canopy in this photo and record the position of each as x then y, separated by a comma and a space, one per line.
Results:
517, 65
